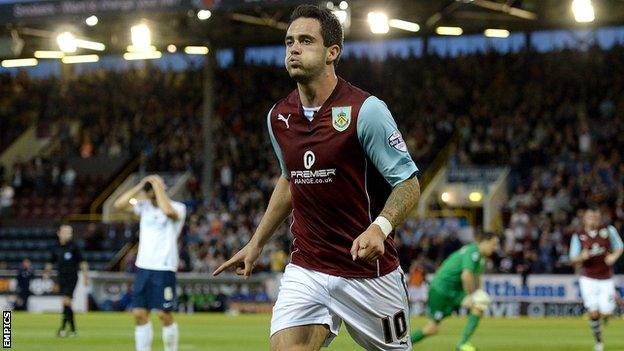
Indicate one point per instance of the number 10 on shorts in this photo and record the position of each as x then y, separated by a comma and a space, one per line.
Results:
400, 326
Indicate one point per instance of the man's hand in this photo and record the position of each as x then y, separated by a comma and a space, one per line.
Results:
155, 180
480, 300
467, 302
369, 246
160, 182
610, 259
242, 260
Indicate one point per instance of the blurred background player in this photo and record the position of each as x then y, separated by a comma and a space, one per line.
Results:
597, 247
69, 259
417, 286
161, 221
24, 276
457, 284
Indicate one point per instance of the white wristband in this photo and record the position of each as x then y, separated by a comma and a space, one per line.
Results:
384, 224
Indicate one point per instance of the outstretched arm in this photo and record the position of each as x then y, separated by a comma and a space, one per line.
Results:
280, 206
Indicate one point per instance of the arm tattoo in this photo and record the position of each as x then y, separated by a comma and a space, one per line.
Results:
401, 201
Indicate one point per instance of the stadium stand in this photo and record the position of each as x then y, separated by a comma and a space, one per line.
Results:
441, 95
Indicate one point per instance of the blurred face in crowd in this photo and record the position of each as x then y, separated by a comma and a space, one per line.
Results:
489, 246
592, 219
306, 55
65, 233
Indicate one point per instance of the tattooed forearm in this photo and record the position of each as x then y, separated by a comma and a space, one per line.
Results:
401, 201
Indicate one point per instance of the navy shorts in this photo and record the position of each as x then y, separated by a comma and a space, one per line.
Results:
67, 284
154, 290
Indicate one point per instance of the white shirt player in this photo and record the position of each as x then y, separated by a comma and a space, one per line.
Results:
158, 236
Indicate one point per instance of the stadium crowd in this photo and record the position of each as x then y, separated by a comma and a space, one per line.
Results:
553, 118
555, 125
101, 114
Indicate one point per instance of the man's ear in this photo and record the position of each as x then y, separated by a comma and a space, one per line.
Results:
333, 54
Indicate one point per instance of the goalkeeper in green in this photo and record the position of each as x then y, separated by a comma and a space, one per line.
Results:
457, 283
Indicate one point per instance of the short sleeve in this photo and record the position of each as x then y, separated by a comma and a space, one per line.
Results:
276, 147
139, 206
614, 239
575, 246
180, 208
383, 143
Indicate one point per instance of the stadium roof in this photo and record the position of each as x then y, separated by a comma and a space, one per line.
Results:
242, 23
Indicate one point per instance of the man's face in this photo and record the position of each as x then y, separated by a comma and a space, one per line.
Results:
592, 218
65, 233
151, 194
306, 54
488, 247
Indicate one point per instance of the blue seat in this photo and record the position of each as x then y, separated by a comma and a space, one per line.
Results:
37, 232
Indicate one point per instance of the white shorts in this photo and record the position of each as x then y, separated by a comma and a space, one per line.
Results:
375, 310
598, 294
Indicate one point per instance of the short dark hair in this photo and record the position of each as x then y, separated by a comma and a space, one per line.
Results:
481, 236
331, 29
147, 186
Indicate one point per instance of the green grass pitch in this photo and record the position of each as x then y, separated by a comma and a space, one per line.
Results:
115, 332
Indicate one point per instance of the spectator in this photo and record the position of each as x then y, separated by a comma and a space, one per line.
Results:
69, 177
6, 199
556, 126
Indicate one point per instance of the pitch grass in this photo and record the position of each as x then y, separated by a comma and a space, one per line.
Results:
115, 332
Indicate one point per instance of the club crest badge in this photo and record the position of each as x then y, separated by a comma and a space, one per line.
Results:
341, 117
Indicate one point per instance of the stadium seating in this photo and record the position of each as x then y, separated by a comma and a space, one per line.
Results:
34, 243
527, 111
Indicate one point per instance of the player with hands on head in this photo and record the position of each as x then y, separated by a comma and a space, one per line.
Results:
161, 221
